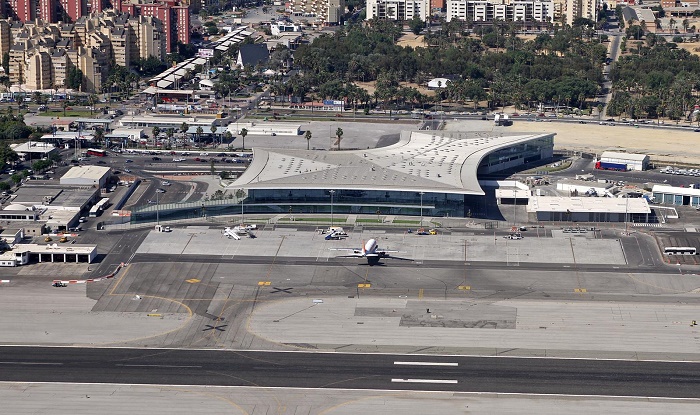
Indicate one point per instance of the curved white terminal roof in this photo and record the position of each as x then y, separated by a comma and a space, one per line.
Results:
420, 161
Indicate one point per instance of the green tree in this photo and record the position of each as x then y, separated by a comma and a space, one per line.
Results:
307, 135
199, 130
156, 131
16, 178
74, 78
7, 155
339, 136
244, 132
416, 25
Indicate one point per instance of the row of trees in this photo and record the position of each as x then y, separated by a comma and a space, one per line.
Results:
659, 81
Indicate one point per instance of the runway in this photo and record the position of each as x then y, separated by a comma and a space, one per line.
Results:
351, 371
394, 263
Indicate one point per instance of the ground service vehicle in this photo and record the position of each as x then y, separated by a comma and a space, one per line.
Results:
680, 250
602, 165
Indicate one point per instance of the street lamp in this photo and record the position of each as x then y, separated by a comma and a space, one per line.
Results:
157, 209
421, 208
332, 192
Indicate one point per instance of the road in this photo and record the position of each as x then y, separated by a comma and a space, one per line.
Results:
351, 371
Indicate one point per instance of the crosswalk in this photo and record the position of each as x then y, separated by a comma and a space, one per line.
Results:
648, 225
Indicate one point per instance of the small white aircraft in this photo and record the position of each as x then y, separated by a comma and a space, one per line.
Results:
231, 233
369, 250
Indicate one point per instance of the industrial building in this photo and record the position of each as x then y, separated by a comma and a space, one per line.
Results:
589, 209
33, 150
92, 176
670, 195
637, 162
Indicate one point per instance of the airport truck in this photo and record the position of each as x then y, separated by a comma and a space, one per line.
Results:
603, 165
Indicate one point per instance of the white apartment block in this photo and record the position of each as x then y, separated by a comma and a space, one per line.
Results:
398, 9
326, 12
581, 8
487, 11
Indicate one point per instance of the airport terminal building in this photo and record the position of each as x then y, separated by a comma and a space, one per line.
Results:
429, 173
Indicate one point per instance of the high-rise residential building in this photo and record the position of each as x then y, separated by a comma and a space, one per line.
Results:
60, 63
121, 46
182, 16
5, 38
581, 8
328, 12
18, 52
38, 70
164, 13
398, 9
72, 9
96, 6
47, 11
488, 11
22, 10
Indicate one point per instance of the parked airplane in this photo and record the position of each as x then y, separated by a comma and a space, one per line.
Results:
369, 250
231, 233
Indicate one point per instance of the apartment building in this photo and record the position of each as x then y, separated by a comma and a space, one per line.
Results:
37, 69
326, 12
121, 46
581, 8
5, 38
398, 9
487, 11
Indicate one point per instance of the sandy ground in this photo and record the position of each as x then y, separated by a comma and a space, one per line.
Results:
411, 40
370, 87
662, 145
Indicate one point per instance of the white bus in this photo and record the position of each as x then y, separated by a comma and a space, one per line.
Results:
681, 250
96, 210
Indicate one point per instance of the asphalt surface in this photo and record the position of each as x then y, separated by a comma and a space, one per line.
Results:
342, 262
351, 371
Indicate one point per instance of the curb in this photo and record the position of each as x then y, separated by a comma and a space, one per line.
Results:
54, 282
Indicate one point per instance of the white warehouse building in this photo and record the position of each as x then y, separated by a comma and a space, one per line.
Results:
637, 162
89, 176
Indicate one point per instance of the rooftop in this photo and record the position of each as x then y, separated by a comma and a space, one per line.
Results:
625, 156
419, 161
588, 204
33, 147
89, 172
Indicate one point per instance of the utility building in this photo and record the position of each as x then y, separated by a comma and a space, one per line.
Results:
637, 162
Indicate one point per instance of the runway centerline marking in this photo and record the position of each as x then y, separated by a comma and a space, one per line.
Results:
32, 363
424, 381
427, 363
156, 365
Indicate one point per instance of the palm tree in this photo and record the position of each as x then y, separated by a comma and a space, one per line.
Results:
99, 134
213, 132
183, 129
244, 132
156, 131
339, 135
307, 135
199, 135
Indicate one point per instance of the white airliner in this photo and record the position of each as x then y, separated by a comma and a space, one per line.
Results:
369, 250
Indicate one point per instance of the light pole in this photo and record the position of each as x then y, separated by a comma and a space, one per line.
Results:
421, 208
157, 209
332, 192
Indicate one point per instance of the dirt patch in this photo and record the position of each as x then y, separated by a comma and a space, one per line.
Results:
411, 40
370, 87
661, 145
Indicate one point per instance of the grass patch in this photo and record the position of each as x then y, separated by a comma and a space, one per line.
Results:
71, 113
361, 220
406, 222
311, 219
